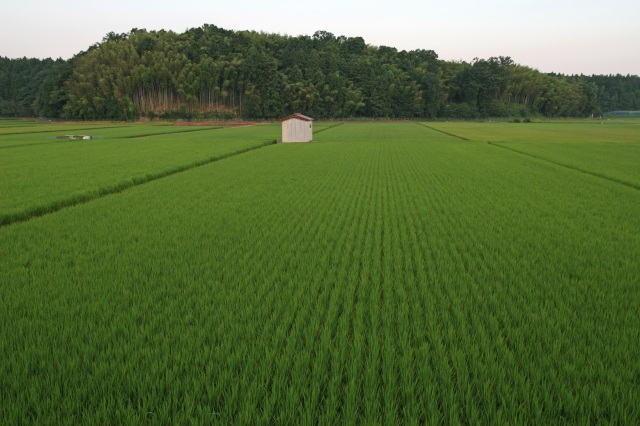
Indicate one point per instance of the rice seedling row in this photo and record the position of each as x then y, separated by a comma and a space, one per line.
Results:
389, 274
619, 162
37, 180
608, 149
98, 132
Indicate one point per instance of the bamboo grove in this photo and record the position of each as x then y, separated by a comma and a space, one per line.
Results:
212, 72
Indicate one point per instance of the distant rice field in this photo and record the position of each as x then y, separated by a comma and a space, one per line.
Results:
421, 273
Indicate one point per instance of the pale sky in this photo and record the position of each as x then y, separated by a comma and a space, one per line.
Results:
564, 36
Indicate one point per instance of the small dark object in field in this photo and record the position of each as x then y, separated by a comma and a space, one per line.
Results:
74, 137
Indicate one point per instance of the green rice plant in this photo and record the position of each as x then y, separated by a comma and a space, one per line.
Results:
40, 179
576, 132
38, 130
610, 150
619, 161
51, 134
389, 273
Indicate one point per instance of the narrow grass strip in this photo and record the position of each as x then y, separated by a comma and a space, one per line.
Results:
9, 219
568, 166
327, 128
171, 133
58, 130
24, 145
442, 131
146, 135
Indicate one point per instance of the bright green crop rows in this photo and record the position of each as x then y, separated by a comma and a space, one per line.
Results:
44, 177
47, 137
620, 163
580, 132
15, 128
608, 149
387, 274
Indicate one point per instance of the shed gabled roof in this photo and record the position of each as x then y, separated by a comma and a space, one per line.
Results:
298, 116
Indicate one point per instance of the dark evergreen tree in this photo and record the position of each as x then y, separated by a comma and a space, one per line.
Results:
213, 72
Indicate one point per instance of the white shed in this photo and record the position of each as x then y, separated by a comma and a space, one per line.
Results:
297, 128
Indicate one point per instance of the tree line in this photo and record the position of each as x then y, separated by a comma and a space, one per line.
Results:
210, 72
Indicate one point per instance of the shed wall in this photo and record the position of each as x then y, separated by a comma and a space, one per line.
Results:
295, 130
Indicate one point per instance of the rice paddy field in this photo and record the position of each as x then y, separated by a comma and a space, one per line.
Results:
388, 273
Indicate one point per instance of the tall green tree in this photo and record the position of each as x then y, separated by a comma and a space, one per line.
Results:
210, 71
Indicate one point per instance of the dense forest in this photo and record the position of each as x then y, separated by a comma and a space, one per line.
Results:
210, 72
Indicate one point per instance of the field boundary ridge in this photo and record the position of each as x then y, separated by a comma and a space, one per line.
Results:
149, 135
327, 128
442, 131
146, 135
57, 130
568, 166
9, 219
